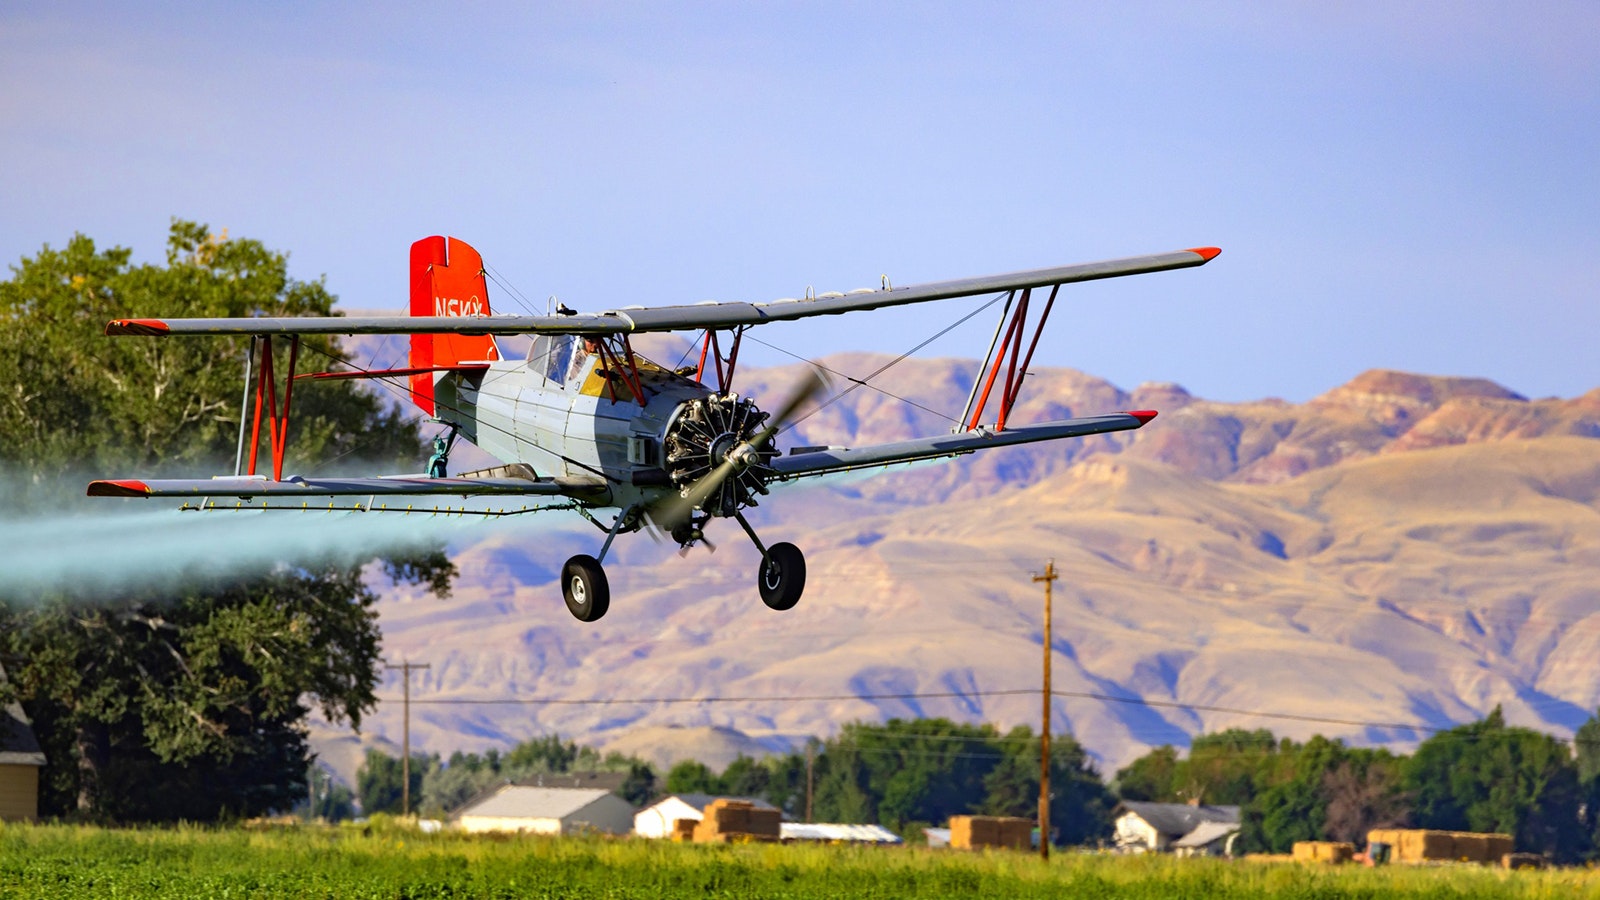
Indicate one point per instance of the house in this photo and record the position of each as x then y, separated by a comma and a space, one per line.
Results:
20, 761
656, 820
546, 810
1190, 828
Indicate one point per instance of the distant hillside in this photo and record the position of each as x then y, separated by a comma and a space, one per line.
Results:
1402, 549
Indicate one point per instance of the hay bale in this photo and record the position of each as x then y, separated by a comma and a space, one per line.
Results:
1500, 845
1522, 861
1016, 833
977, 832
766, 823
683, 829
961, 832
1470, 847
1329, 852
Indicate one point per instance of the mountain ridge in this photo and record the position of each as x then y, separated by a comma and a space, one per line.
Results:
1402, 548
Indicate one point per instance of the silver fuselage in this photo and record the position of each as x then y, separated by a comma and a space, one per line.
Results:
554, 412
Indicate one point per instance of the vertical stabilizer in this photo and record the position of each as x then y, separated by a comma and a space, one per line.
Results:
446, 280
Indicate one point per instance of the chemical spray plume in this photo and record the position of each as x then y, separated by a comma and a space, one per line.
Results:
103, 555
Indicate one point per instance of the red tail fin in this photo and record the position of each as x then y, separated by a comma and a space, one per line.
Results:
446, 280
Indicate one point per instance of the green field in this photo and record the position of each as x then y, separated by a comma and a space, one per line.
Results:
70, 861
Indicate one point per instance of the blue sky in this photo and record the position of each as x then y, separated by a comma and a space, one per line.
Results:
1411, 186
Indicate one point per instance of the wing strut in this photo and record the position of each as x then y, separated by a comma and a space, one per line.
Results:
1012, 345
277, 418
711, 347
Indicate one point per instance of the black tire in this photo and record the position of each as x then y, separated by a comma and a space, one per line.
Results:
584, 587
783, 576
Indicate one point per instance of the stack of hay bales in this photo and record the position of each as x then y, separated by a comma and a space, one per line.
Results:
737, 821
1416, 845
1324, 851
683, 829
978, 832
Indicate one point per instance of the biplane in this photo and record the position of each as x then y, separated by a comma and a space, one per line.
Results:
587, 423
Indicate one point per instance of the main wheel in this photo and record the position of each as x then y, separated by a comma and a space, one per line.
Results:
783, 576
584, 586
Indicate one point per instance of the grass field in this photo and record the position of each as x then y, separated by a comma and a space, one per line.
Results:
70, 861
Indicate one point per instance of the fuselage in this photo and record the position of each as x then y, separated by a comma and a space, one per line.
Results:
562, 413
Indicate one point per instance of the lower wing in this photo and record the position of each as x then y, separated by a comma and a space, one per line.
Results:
392, 485
821, 461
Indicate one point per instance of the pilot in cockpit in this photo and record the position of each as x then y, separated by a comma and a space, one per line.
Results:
561, 357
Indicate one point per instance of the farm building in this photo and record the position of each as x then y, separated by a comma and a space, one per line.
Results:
837, 834
546, 810
1190, 828
20, 761
656, 820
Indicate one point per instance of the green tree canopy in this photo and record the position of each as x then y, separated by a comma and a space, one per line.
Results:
1488, 776
186, 701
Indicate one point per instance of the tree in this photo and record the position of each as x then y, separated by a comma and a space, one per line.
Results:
1150, 777
1487, 776
688, 776
328, 800
187, 701
381, 779
1080, 804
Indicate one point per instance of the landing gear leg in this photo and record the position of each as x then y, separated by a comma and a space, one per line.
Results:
583, 581
783, 571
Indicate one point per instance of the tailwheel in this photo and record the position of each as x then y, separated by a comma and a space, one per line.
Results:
783, 576
584, 586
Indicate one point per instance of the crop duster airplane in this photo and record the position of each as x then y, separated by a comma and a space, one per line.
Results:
585, 419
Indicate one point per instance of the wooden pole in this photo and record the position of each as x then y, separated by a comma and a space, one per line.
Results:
405, 741
1048, 578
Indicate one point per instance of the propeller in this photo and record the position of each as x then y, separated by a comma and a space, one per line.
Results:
676, 509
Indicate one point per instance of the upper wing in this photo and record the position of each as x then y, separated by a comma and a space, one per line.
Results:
823, 461
636, 319
401, 485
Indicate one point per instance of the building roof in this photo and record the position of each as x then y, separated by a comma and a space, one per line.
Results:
1206, 833
701, 801
18, 746
856, 834
519, 801
1174, 819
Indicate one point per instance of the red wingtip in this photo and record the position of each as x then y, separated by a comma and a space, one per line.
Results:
125, 488
1144, 415
1206, 253
137, 326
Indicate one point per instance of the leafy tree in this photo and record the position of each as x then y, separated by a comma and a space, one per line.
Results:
1487, 776
185, 702
1080, 804
72, 397
905, 772
690, 776
745, 777
328, 800
1322, 790
1225, 768
381, 780
447, 786
1150, 777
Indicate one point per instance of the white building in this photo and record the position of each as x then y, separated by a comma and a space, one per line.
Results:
1162, 827
546, 810
656, 820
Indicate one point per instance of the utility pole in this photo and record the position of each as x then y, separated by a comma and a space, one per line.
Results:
1048, 578
405, 745
811, 759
